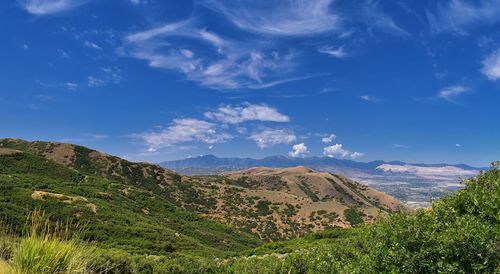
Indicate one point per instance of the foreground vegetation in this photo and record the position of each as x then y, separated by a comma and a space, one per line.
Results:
458, 234
117, 215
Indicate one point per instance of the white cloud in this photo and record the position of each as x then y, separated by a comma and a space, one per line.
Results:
108, 75
458, 145
491, 66
290, 18
328, 139
337, 151
95, 82
270, 137
374, 17
356, 155
458, 15
298, 150
71, 85
449, 93
92, 45
400, 146
184, 130
232, 65
332, 51
180, 27
63, 53
248, 112
45, 7
369, 98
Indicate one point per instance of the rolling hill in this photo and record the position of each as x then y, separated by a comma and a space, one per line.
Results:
414, 184
269, 203
123, 205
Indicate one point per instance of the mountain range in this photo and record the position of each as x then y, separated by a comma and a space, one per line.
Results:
415, 184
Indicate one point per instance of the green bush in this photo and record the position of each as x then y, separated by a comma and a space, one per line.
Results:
50, 248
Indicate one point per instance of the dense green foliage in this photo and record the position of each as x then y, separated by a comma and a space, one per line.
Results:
126, 217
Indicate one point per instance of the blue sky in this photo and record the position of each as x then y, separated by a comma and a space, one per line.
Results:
151, 80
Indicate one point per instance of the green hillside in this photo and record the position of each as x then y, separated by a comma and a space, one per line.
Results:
117, 214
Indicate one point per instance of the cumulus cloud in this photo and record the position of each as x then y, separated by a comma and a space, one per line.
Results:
449, 93
356, 155
338, 151
248, 112
298, 150
46, 7
271, 137
182, 131
328, 139
491, 66
289, 18
459, 15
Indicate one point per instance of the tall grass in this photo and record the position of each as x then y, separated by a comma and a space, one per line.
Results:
49, 247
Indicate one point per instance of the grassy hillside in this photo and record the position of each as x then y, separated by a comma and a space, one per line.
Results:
117, 214
459, 234
285, 203
275, 205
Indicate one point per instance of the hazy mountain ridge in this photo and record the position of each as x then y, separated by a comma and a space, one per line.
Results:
212, 161
415, 184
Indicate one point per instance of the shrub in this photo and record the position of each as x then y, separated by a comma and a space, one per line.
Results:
49, 248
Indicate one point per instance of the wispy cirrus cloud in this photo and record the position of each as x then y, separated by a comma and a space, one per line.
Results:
450, 93
337, 52
92, 45
369, 98
270, 137
374, 17
400, 146
247, 112
288, 18
225, 64
458, 15
491, 65
46, 7
108, 75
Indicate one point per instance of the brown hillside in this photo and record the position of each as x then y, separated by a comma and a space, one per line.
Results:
271, 203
